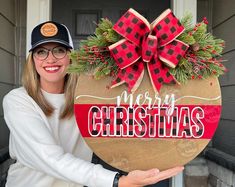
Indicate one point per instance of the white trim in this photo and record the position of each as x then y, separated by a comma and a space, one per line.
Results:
180, 7
37, 12
177, 181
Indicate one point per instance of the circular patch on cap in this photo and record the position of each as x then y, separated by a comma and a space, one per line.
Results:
49, 29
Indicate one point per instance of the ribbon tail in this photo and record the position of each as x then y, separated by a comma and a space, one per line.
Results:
159, 74
132, 76
119, 80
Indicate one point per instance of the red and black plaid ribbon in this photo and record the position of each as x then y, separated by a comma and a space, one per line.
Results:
154, 44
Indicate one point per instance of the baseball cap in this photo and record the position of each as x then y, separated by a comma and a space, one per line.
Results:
50, 31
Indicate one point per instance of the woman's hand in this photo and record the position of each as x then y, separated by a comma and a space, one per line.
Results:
140, 178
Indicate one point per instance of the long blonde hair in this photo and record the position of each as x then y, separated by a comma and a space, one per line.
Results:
31, 82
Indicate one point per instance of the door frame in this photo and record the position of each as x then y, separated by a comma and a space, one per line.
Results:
41, 10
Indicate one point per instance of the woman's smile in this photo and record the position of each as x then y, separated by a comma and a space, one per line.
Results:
52, 69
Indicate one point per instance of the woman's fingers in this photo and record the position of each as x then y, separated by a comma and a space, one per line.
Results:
164, 175
140, 178
170, 172
149, 173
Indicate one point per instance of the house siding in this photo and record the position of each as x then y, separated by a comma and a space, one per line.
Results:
7, 63
12, 55
224, 27
215, 167
221, 155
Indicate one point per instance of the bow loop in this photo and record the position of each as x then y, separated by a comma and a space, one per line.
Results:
132, 26
166, 28
172, 53
125, 53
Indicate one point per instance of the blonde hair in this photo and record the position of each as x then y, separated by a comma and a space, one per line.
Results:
31, 82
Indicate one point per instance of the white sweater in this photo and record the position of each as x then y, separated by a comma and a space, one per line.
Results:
49, 152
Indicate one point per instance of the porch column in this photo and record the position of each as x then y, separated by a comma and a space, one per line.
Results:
37, 12
180, 7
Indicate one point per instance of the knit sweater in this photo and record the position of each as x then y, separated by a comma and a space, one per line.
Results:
49, 152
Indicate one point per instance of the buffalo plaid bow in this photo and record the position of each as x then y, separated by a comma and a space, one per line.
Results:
154, 44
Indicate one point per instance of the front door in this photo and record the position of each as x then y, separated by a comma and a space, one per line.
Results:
80, 15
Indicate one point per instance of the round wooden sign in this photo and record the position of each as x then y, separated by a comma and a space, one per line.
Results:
146, 130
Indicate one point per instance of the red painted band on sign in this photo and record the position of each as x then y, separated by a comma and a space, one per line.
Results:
184, 121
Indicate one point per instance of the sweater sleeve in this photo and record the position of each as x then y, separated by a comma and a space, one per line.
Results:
35, 147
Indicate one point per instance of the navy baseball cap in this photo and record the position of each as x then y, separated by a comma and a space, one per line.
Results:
50, 31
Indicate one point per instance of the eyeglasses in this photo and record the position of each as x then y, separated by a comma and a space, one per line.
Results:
42, 53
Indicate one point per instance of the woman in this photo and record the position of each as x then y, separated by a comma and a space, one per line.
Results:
44, 139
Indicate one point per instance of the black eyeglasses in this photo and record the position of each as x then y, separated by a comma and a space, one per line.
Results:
42, 53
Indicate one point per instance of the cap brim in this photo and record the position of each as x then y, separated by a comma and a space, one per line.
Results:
49, 41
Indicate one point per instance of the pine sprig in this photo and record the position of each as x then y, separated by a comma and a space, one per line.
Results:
201, 59
186, 36
93, 54
186, 21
